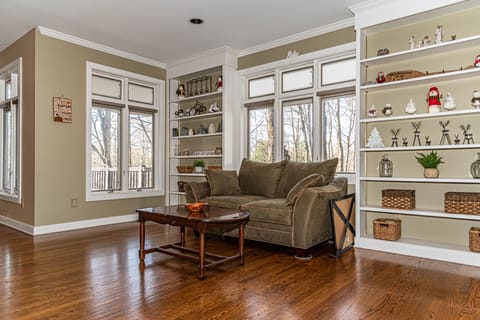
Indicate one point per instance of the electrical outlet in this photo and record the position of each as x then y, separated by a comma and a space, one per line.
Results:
73, 203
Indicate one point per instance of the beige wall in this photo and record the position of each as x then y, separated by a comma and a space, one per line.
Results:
60, 147
320, 42
25, 48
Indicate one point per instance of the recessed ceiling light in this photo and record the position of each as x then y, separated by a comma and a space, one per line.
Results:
196, 21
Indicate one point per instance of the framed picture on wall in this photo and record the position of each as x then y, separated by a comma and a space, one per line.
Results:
62, 109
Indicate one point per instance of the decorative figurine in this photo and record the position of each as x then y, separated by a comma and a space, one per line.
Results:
467, 136
372, 111
450, 103
405, 142
375, 141
219, 83
433, 100
426, 41
427, 140
416, 133
395, 133
445, 132
457, 139
382, 52
387, 110
411, 108
476, 99
411, 42
476, 63
213, 108
211, 128
179, 113
439, 34
453, 37
380, 77
181, 91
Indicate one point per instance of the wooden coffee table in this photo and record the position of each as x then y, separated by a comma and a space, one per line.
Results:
180, 216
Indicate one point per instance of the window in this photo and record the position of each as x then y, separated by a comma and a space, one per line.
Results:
260, 133
297, 130
10, 132
336, 72
297, 79
124, 156
338, 114
261, 86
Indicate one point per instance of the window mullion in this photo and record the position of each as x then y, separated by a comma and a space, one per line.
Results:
124, 146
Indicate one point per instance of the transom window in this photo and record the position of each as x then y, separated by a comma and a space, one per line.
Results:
10, 131
124, 156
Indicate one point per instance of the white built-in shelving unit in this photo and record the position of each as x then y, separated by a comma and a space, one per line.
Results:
427, 231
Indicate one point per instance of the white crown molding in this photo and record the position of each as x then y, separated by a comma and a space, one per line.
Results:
100, 47
202, 55
298, 36
362, 6
34, 231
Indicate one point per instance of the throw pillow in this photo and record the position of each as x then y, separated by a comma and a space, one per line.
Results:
296, 171
223, 182
260, 178
308, 181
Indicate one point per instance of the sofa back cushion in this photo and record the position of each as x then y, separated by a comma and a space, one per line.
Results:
259, 178
296, 171
223, 182
309, 181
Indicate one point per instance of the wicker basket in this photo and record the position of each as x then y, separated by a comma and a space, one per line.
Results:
462, 202
387, 229
475, 239
184, 169
398, 199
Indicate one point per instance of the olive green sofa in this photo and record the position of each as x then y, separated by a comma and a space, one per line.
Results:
288, 201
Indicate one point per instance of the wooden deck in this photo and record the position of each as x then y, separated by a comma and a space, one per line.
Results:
94, 274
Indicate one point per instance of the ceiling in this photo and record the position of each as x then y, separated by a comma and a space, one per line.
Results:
160, 30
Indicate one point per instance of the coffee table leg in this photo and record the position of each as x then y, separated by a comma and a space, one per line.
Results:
201, 267
241, 243
141, 252
182, 236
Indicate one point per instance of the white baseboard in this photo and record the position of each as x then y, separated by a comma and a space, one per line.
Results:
32, 230
17, 225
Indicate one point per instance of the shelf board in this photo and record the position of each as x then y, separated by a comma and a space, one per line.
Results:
423, 116
177, 193
188, 174
197, 156
423, 213
205, 115
431, 147
454, 75
199, 96
198, 136
443, 47
422, 180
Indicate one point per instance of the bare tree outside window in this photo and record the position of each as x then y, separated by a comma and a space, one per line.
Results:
298, 130
260, 138
339, 131
140, 173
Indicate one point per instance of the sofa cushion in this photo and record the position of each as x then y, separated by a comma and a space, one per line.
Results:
269, 210
258, 178
232, 201
296, 171
223, 182
310, 180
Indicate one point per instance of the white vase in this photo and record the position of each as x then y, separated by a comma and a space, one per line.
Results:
211, 128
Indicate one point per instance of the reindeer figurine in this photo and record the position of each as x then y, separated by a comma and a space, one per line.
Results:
445, 132
416, 133
395, 133
467, 136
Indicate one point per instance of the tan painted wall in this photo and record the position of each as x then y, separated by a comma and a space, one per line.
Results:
320, 42
25, 48
60, 147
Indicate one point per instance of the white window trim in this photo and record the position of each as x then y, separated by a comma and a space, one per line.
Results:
159, 129
314, 58
17, 63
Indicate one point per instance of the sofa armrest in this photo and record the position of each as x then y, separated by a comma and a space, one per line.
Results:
196, 191
311, 214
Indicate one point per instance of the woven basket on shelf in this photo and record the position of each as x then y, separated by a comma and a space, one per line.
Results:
462, 202
475, 239
184, 169
387, 229
398, 199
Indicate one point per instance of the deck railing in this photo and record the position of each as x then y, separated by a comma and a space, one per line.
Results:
108, 179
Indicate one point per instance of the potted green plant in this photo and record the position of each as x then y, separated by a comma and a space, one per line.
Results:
198, 166
430, 163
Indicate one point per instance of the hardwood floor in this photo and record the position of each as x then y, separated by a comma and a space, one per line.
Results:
93, 274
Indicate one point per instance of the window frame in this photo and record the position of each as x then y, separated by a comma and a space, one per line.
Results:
126, 106
258, 78
283, 72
